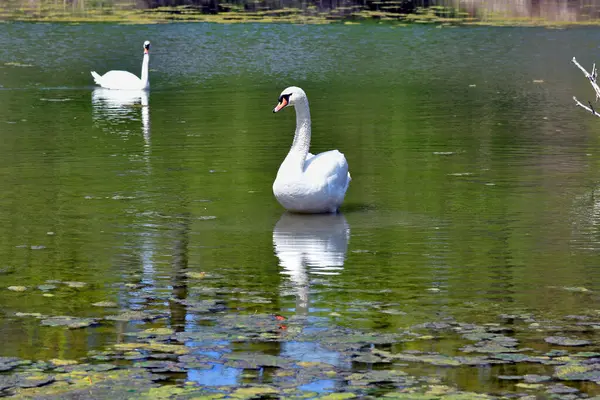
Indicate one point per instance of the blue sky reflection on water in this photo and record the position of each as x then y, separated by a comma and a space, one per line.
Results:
218, 375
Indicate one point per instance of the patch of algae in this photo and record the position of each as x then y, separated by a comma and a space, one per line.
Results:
253, 392
115, 384
153, 347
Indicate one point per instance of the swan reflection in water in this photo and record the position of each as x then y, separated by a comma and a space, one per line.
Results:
120, 106
310, 245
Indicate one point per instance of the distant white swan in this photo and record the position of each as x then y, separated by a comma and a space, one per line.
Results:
124, 80
306, 183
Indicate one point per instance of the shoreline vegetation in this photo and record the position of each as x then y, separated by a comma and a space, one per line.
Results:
550, 13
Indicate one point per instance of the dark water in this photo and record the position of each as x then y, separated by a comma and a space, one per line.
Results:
474, 188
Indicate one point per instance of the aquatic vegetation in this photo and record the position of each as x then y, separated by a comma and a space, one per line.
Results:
391, 12
69, 322
564, 341
153, 359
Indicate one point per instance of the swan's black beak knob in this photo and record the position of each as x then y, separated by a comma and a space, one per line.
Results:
283, 101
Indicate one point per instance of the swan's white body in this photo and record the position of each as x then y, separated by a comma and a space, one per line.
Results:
308, 183
123, 80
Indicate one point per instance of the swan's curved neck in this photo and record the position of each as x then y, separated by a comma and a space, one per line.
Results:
145, 69
301, 144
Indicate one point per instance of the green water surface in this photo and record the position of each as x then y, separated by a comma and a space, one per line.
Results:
474, 192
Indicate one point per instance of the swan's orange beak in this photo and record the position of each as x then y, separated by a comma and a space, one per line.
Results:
281, 104
145, 50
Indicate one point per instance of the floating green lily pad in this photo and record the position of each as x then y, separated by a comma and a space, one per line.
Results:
153, 347
532, 378
577, 372
196, 275
378, 376
69, 322
35, 315
489, 347
130, 316
510, 377
561, 389
17, 288
61, 363
31, 380
75, 285
338, 396
253, 392
564, 341
9, 363
107, 304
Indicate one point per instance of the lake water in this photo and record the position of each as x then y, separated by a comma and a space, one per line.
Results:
474, 193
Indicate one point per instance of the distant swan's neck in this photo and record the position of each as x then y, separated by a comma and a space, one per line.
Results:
145, 69
301, 144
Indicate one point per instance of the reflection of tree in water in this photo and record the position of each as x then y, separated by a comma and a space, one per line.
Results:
181, 239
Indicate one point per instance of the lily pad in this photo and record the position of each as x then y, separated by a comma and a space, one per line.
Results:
370, 358
60, 363
561, 389
160, 366
338, 396
154, 332
564, 341
107, 304
434, 359
196, 275
253, 392
577, 372
76, 285
8, 363
127, 316
378, 376
532, 378
22, 314
489, 347
17, 288
69, 322
510, 377
31, 380
153, 347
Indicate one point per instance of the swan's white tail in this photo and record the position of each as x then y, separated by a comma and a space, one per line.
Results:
97, 78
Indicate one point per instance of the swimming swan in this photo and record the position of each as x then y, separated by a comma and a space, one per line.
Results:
126, 80
306, 183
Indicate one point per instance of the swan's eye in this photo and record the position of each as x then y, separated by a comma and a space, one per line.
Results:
284, 100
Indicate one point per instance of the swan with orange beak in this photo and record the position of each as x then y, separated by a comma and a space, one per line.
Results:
308, 183
124, 80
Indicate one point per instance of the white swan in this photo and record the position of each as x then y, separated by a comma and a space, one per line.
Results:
124, 80
306, 183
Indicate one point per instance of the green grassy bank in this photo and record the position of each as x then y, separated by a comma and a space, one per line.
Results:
101, 11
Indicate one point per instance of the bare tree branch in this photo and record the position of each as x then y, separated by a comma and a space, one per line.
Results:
591, 77
590, 108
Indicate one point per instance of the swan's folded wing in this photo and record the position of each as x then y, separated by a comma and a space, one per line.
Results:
329, 167
120, 80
